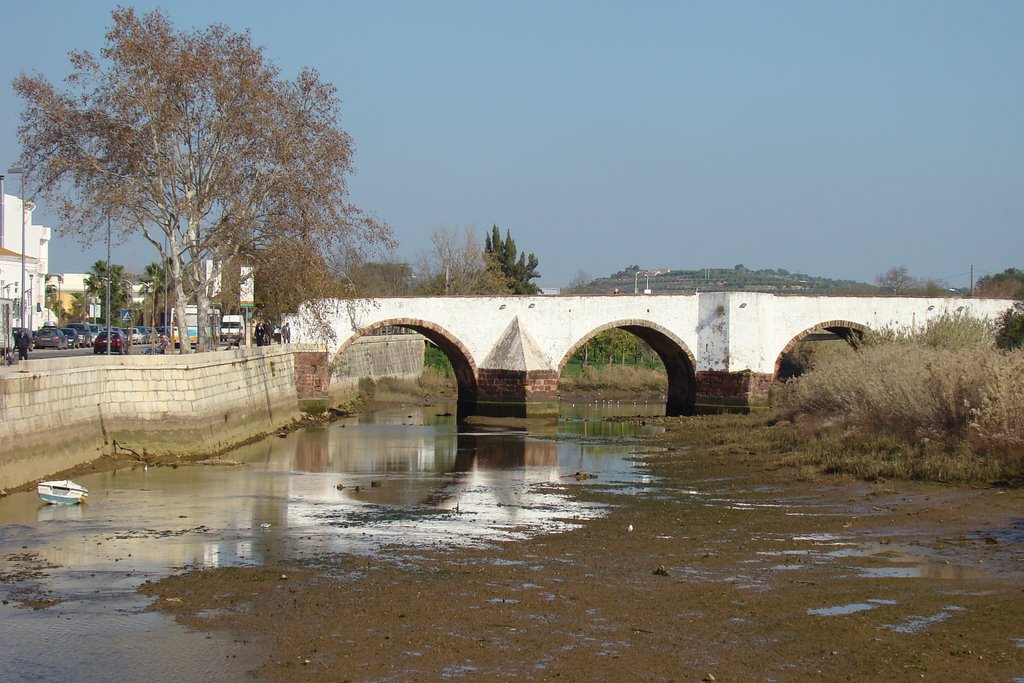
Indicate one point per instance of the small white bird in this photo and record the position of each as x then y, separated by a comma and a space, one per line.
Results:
265, 525
629, 527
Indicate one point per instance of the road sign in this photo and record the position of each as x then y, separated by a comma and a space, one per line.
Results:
126, 315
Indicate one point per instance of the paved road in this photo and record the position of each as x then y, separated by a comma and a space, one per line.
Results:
57, 353
37, 354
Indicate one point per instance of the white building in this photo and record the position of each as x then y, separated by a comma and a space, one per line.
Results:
36, 251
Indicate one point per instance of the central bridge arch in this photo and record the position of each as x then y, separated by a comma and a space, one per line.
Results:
678, 360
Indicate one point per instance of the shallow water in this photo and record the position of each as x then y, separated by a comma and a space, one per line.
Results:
408, 477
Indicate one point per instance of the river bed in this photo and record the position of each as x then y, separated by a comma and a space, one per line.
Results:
405, 477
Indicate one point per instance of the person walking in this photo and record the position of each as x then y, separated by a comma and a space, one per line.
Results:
23, 342
286, 334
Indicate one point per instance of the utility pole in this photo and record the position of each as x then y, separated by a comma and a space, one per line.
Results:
972, 279
107, 307
3, 215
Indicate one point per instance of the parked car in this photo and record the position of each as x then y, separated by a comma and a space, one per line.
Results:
71, 334
140, 335
84, 332
49, 338
117, 343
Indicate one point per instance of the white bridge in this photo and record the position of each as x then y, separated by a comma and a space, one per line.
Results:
717, 347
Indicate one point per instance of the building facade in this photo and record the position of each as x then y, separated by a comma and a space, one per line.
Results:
36, 252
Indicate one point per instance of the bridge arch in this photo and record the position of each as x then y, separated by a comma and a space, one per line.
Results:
456, 352
679, 361
850, 331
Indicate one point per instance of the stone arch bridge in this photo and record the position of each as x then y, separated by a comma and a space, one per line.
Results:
719, 348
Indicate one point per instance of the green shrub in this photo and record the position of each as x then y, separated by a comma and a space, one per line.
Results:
1010, 328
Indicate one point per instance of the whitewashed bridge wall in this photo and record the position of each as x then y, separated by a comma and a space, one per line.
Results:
727, 331
721, 345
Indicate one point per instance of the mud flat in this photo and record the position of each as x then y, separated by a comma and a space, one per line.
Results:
719, 567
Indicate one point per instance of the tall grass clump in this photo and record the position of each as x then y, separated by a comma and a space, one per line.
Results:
944, 388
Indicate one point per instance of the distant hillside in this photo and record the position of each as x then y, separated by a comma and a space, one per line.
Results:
738, 278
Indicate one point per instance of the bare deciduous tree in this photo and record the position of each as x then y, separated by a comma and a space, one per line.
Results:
194, 140
452, 267
896, 280
579, 283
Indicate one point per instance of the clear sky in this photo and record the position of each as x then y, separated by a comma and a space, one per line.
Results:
833, 138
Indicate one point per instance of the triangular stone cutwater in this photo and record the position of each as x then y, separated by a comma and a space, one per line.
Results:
516, 350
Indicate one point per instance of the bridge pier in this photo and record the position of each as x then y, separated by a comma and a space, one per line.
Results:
721, 389
516, 393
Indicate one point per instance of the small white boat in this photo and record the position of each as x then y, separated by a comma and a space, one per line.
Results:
61, 492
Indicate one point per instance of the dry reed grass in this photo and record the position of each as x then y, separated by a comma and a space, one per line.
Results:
939, 403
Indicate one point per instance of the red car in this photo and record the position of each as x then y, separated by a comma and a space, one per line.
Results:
116, 342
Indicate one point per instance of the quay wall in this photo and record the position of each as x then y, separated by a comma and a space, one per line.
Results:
59, 413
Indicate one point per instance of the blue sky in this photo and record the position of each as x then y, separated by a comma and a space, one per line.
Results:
833, 138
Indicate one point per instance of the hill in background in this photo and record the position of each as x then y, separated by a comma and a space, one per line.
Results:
737, 278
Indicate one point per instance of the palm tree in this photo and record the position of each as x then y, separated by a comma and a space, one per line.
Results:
54, 303
79, 306
120, 287
154, 286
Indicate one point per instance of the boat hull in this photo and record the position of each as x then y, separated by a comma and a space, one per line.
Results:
62, 492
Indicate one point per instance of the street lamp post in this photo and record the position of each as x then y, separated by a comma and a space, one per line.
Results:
30, 292
3, 214
17, 170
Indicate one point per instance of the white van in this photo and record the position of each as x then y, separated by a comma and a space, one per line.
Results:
232, 328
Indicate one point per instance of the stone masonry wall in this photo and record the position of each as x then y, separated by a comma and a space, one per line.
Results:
312, 378
398, 356
59, 413
733, 388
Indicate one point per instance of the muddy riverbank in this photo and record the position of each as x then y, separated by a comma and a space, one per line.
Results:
722, 565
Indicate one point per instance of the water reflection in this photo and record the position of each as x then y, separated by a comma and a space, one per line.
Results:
378, 471
409, 477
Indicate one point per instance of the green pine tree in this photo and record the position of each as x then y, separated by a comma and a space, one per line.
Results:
518, 269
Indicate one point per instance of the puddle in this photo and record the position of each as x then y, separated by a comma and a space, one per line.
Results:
783, 553
918, 624
950, 571
851, 608
822, 538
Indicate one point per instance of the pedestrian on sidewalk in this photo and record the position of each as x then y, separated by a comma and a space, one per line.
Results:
23, 341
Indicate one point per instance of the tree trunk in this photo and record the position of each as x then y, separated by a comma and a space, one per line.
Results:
202, 306
180, 313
